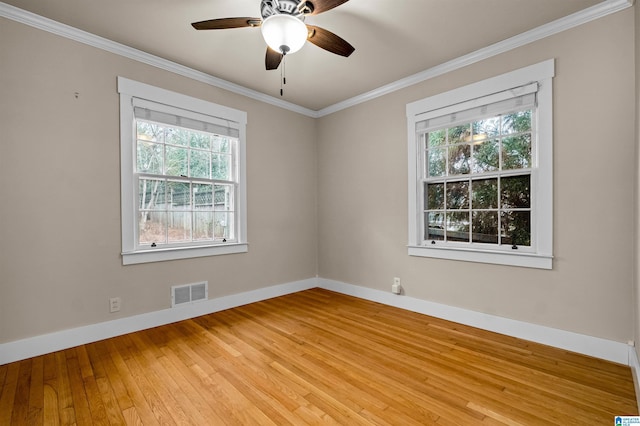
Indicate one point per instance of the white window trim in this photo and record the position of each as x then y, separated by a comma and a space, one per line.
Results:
542, 176
128, 89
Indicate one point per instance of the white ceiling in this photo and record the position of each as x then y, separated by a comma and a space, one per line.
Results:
394, 39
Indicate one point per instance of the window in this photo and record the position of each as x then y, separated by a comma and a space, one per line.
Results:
182, 175
480, 171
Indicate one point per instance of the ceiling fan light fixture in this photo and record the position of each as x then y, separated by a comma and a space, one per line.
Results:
284, 33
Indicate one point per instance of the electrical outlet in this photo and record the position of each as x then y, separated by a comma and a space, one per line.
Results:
396, 288
114, 304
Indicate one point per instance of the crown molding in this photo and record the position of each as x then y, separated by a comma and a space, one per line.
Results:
63, 30
597, 11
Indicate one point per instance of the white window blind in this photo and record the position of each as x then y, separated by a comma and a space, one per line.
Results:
147, 110
522, 97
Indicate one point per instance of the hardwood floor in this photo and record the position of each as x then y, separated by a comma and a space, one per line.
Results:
314, 357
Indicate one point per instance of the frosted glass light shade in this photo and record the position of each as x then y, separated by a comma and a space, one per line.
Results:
284, 33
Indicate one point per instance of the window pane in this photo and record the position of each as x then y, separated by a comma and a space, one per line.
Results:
202, 225
221, 144
151, 194
458, 195
221, 167
202, 196
458, 226
437, 138
485, 129
485, 227
515, 192
517, 122
516, 152
149, 131
223, 197
200, 164
436, 162
459, 134
178, 136
179, 195
486, 156
222, 225
176, 161
150, 157
179, 226
435, 226
485, 194
459, 159
515, 228
434, 196
152, 227
200, 140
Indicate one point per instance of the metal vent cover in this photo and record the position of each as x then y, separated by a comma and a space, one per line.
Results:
189, 293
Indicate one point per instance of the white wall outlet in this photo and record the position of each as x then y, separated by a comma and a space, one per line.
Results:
396, 288
114, 304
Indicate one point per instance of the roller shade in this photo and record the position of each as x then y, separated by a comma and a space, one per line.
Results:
519, 98
159, 113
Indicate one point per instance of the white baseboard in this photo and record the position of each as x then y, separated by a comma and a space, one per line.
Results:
588, 345
40, 345
580, 343
635, 371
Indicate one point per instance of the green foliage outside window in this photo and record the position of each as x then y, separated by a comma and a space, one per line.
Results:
478, 183
185, 184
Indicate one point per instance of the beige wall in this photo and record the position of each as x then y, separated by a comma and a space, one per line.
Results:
362, 163
60, 175
327, 195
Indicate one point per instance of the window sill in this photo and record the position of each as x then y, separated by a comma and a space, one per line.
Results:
160, 255
527, 260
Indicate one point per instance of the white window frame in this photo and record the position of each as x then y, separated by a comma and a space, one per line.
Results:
541, 253
130, 89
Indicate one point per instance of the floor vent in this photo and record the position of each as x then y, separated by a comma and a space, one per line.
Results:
189, 293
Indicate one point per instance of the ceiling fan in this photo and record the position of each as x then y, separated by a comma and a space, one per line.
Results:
284, 30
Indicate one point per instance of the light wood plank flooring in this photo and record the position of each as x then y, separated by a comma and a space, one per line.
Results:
314, 357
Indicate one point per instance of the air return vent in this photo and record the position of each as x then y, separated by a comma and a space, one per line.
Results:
189, 293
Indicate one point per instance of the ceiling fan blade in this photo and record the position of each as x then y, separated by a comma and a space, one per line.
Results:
329, 41
226, 23
320, 6
272, 59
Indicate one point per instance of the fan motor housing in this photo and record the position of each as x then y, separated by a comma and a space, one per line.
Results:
286, 7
